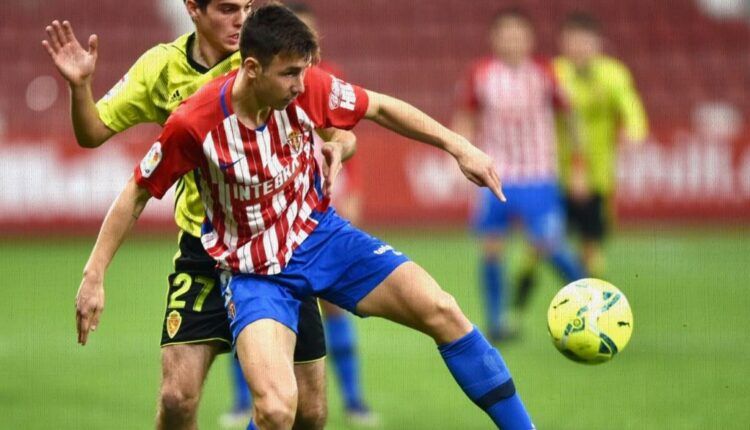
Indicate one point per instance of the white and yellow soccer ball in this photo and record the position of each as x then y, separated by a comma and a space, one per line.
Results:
590, 321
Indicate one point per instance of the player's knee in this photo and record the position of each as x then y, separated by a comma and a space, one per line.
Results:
179, 403
492, 248
311, 416
276, 409
446, 321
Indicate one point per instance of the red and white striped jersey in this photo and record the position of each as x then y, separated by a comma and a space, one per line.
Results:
515, 123
259, 186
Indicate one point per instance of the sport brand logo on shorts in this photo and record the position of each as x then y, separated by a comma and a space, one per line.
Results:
174, 321
151, 160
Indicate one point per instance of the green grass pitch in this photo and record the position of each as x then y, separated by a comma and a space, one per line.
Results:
686, 366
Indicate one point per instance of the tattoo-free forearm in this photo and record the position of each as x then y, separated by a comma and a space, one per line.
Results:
89, 129
408, 121
119, 220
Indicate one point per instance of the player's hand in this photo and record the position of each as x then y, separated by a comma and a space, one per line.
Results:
332, 152
479, 168
73, 62
89, 307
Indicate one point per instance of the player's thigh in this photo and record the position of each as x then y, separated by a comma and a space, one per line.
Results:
544, 219
411, 297
265, 348
490, 217
311, 388
184, 367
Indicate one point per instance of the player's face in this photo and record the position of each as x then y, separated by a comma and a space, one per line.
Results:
282, 81
512, 39
580, 45
220, 23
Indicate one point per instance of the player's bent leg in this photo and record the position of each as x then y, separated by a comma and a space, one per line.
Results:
312, 407
184, 369
265, 348
493, 285
411, 297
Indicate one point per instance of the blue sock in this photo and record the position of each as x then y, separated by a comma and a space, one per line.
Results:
493, 285
342, 345
568, 265
242, 397
251, 426
481, 372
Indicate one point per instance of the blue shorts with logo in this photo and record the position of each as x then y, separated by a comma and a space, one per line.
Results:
337, 262
538, 206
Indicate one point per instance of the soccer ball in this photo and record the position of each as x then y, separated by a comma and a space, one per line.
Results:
590, 321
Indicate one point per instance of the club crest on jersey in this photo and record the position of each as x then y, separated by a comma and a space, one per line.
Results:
342, 95
174, 321
295, 140
151, 160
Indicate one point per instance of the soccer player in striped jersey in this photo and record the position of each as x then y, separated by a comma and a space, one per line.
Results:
341, 335
195, 327
269, 226
508, 103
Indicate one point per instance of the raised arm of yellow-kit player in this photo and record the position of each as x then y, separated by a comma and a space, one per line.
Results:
409, 121
119, 220
77, 66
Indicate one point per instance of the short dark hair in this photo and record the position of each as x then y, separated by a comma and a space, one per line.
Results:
581, 21
274, 29
514, 12
202, 4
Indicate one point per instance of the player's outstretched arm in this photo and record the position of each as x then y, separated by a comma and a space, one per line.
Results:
338, 146
119, 220
409, 121
77, 66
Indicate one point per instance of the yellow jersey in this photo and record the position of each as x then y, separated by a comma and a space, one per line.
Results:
605, 100
155, 85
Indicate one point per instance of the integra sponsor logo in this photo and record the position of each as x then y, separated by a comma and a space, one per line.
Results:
244, 192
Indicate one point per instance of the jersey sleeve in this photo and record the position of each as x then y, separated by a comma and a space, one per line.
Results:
331, 102
130, 101
629, 106
175, 153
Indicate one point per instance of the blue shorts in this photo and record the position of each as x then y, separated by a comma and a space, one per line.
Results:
337, 262
537, 206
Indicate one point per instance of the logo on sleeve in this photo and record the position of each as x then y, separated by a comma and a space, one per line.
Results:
151, 160
342, 95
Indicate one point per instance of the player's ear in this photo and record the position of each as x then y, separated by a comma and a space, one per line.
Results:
192, 8
252, 67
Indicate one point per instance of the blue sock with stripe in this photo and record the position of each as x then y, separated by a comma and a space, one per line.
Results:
342, 342
493, 285
483, 376
242, 398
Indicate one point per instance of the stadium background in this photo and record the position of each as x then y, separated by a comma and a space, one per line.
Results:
684, 198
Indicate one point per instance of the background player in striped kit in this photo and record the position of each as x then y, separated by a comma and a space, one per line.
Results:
269, 226
198, 332
508, 103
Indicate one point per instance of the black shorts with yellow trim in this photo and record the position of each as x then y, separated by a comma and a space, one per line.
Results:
195, 310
